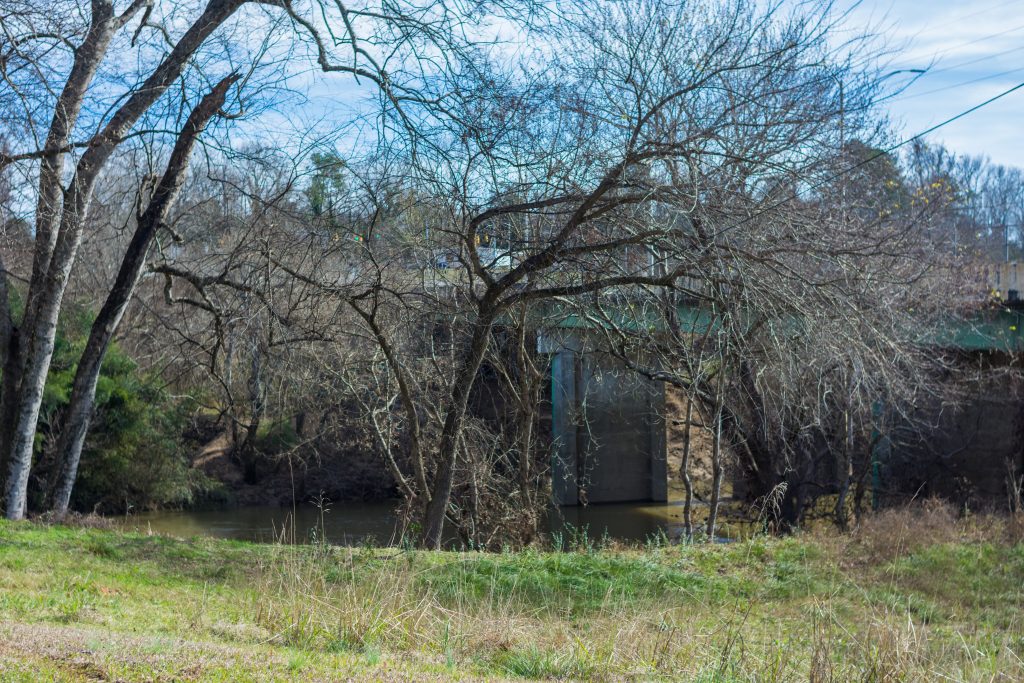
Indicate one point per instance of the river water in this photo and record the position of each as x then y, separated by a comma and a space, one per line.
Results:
357, 523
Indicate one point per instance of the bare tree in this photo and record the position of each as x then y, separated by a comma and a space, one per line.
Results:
149, 222
698, 182
60, 212
51, 66
655, 154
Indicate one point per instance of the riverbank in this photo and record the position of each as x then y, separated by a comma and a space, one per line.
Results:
911, 596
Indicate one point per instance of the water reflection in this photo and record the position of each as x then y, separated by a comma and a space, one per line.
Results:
357, 523
344, 524
628, 522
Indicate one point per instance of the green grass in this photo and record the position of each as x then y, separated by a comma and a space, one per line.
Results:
82, 604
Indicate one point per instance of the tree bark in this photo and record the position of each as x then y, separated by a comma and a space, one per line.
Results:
530, 384
716, 461
47, 290
437, 509
842, 517
29, 360
684, 473
9, 364
88, 57
83, 393
415, 448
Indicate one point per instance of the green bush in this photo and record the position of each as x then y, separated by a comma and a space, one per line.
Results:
134, 456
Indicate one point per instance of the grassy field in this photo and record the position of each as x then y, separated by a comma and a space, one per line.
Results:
913, 595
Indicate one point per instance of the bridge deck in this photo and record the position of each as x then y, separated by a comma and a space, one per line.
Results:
994, 329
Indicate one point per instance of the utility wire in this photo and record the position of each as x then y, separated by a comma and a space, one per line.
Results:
880, 153
985, 10
957, 85
977, 40
937, 56
969, 62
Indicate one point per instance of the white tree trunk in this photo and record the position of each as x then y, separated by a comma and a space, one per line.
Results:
83, 393
47, 290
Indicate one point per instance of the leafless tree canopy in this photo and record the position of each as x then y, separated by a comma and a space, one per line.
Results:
702, 184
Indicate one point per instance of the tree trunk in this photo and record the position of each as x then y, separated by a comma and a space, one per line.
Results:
716, 462
46, 291
420, 491
246, 451
528, 379
87, 59
862, 467
842, 517
83, 393
530, 386
9, 363
26, 411
25, 372
684, 473
437, 509
8, 402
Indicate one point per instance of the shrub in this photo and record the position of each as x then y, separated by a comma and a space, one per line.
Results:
133, 457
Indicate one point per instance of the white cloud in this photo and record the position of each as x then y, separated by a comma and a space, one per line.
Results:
974, 52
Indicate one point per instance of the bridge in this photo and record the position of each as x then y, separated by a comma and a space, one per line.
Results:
607, 425
999, 329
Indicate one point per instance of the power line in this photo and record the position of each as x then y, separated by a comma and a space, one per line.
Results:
958, 85
880, 153
934, 128
969, 62
976, 40
985, 10
937, 56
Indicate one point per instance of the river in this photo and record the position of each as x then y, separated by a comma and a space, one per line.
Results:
375, 522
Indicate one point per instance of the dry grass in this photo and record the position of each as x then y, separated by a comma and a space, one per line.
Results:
772, 611
913, 595
79, 520
896, 532
39, 652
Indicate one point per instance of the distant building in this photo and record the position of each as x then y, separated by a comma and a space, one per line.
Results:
1006, 281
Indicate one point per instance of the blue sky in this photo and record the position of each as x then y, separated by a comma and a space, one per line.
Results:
974, 50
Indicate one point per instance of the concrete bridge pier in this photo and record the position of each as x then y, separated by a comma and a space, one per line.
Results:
608, 431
